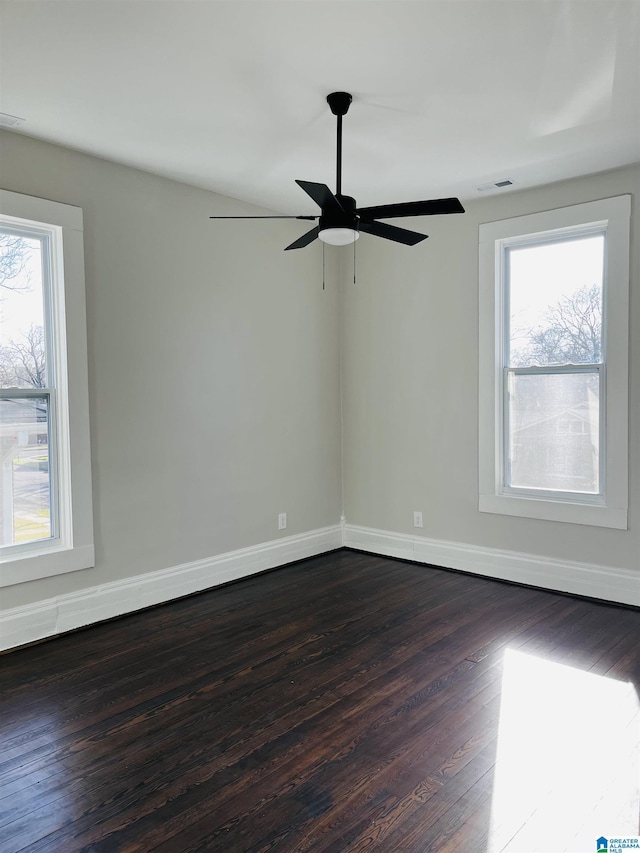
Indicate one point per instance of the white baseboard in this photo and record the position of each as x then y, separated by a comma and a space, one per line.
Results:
610, 584
53, 616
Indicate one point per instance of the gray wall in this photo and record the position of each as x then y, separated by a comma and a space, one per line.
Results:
410, 385
213, 369
215, 375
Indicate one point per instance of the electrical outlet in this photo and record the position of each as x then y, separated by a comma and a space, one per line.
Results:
417, 519
282, 521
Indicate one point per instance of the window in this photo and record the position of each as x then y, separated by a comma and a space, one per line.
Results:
45, 481
553, 364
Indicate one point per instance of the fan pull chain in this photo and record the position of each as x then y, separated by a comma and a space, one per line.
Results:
323, 265
354, 261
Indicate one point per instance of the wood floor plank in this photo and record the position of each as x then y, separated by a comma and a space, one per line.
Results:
439, 684
348, 702
212, 683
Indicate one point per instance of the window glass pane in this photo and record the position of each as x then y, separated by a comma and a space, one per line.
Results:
25, 483
22, 312
554, 431
555, 302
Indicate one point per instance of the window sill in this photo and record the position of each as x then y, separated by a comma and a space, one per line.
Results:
547, 510
30, 566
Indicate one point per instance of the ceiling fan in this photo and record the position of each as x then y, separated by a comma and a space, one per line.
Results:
341, 221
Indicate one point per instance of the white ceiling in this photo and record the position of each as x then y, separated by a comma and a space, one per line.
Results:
230, 96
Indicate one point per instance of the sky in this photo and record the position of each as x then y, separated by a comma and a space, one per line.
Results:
21, 309
543, 274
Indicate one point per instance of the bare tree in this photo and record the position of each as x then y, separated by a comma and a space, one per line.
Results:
7, 369
14, 251
23, 363
571, 332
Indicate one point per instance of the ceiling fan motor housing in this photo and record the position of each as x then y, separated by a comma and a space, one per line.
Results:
338, 219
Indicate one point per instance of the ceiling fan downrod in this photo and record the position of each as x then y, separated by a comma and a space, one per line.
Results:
339, 103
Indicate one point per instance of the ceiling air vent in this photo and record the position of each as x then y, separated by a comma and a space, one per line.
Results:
7, 120
495, 185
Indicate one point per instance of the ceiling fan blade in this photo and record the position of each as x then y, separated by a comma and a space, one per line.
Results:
433, 207
265, 217
392, 232
303, 241
322, 196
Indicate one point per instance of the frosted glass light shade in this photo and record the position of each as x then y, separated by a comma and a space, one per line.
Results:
338, 236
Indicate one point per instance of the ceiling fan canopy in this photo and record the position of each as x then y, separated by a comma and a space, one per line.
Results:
340, 220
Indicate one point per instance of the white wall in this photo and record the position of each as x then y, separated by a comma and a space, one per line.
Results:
213, 369
410, 386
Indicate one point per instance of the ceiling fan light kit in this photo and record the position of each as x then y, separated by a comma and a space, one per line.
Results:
338, 236
341, 221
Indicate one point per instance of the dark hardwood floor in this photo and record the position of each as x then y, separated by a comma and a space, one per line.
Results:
345, 703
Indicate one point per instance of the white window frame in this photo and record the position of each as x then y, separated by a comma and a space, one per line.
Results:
71, 546
610, 507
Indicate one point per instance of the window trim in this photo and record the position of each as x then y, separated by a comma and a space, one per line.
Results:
73, 548
610, 509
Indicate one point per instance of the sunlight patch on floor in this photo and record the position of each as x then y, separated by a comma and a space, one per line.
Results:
568, 759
